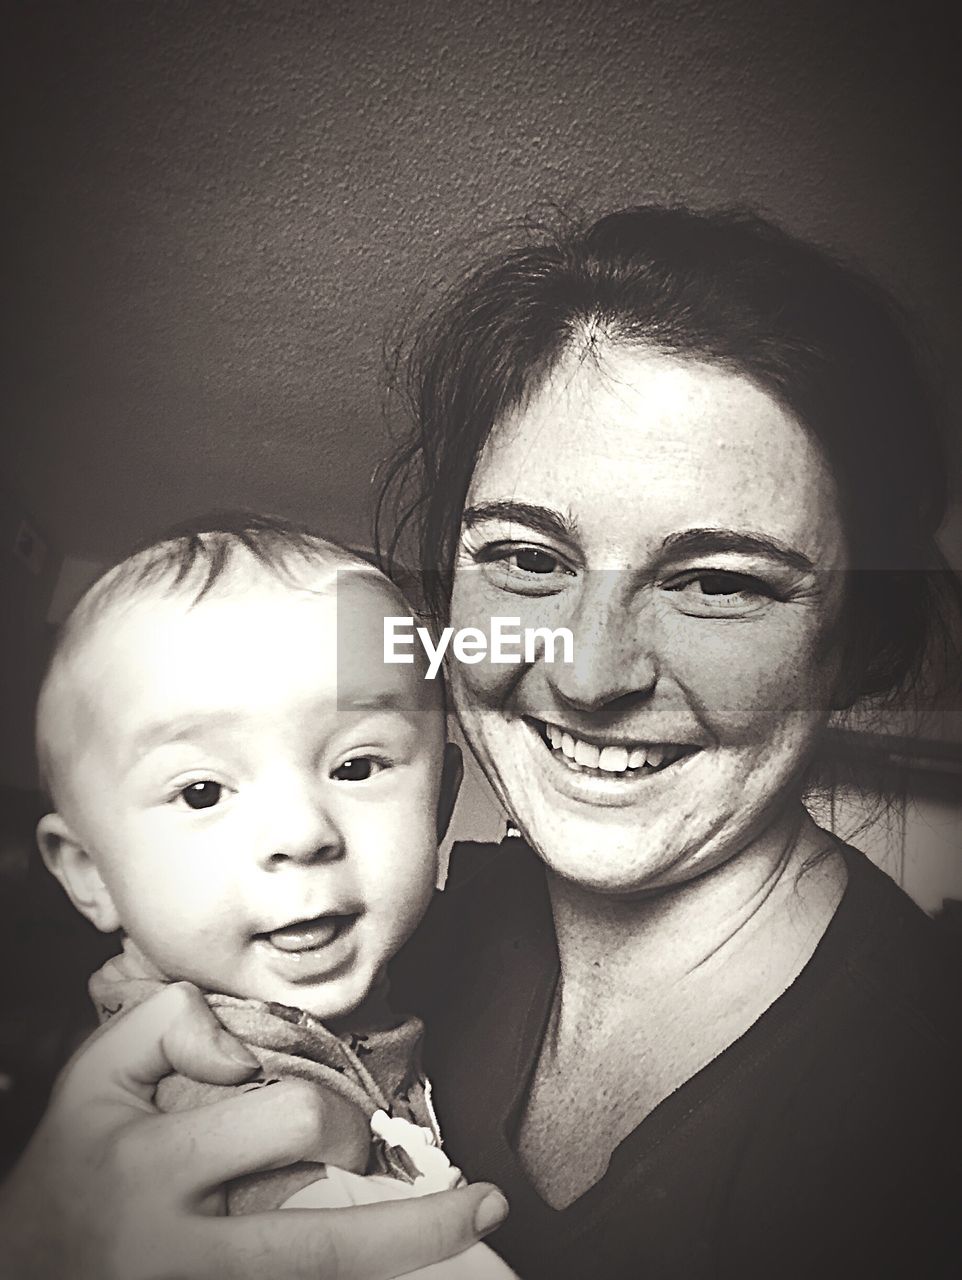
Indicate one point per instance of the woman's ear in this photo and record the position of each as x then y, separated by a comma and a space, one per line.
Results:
66, 858
452, 773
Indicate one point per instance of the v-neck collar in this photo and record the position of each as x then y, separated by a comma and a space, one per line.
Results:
522, 1011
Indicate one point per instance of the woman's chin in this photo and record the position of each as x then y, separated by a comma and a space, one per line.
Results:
615, 859
637, 831
607, 833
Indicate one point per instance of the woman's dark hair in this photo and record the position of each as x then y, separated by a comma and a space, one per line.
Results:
731, 289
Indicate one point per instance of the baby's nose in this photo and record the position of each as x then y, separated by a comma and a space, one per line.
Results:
304, 831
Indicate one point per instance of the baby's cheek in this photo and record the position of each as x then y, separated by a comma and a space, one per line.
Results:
190, 911
400, 903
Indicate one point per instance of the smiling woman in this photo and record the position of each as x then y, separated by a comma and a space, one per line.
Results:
695, 1018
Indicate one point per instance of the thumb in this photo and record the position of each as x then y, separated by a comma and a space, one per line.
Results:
172, 1031
371, 1242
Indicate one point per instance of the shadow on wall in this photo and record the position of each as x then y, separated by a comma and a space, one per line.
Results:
29, 569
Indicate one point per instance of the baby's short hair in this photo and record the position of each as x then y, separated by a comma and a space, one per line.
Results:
190, 559
196, 555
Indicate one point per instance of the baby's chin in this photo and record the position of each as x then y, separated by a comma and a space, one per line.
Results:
351, 999
350, 1003
372, 1012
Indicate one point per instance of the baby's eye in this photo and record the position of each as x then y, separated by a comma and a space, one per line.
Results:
201, 795
357, 769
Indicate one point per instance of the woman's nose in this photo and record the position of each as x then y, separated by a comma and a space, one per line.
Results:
613, 631
303, 831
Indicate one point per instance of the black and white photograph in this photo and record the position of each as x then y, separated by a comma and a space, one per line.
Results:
481, 614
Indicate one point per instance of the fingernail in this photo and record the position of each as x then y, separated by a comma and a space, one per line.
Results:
492, 1211
238, 1053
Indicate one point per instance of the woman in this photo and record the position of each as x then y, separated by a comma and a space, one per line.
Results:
706, 450
686, 1030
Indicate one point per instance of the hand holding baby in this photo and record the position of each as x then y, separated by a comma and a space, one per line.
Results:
101, 1142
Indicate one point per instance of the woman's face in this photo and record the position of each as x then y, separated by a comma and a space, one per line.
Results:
685, 529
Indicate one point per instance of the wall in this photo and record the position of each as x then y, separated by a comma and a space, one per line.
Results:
220, 211
220, 214
29, 569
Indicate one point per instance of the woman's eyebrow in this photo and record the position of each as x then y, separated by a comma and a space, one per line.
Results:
543, 519
701, 542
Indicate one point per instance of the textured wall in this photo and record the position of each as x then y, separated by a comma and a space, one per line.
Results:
222, 211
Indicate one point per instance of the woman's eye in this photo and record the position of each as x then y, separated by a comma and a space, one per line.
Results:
357, 769
534, 560
727, 584
201, 795
721, 590
525, 570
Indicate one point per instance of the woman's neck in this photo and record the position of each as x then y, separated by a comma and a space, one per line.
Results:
653, 989
760, 910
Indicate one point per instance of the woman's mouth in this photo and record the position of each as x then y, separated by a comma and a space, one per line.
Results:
624, 759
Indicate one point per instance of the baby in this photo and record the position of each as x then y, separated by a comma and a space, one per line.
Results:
247, 791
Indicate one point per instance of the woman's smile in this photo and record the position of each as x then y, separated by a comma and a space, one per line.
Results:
625, 759
610, 775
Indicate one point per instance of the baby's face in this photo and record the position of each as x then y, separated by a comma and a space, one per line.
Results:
261, 809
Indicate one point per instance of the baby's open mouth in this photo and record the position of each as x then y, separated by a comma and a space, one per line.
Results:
308, 935
629, 760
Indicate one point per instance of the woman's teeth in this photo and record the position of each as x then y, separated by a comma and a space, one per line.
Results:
610, 759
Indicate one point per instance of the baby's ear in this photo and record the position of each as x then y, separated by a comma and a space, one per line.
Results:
451, 775
67, 859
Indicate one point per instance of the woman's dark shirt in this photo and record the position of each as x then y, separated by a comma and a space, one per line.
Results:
826, 1141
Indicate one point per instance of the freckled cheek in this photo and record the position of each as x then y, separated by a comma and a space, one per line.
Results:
475, 682
470, 598
744, 681
474, 603
481, 685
